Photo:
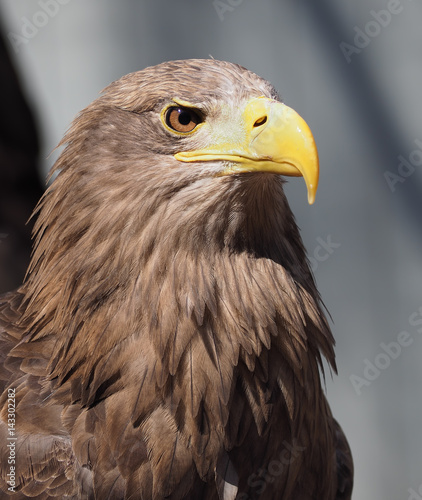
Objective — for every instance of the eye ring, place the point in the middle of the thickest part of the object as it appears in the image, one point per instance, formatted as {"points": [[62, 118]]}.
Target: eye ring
{"points": [[182, 119]]}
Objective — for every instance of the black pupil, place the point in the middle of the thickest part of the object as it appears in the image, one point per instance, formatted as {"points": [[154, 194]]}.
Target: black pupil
{"points": [[184, 117]]}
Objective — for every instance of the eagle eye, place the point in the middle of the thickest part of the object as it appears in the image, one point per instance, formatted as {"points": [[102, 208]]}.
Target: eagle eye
{"points": [[182, 119]]}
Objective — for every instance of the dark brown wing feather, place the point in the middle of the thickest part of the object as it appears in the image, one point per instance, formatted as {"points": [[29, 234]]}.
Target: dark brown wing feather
{"points": [[36, 453], [344, 465]]}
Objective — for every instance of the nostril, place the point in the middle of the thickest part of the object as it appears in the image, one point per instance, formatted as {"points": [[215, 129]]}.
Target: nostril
{"points": [[260, 121]]}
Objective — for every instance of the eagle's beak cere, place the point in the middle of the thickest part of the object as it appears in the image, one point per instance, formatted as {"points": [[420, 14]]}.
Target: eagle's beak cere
{"points": [[273, 138]]}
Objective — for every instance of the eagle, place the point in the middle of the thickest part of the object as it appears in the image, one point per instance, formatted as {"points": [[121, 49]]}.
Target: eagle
{"points": [[168, 339]]}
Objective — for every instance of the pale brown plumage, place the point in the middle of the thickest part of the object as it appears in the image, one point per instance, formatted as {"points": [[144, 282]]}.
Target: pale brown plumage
{"points": [[167, 340]]}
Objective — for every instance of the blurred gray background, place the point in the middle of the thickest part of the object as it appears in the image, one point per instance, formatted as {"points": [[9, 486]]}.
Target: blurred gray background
{"points": [[353, 70]]}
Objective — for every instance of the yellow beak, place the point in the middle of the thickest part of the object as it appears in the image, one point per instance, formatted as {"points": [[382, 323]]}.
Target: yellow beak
{"points": [[272, 138]]}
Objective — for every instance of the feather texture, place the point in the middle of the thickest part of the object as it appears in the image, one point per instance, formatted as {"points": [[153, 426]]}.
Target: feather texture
{"points": [[168, 338]]}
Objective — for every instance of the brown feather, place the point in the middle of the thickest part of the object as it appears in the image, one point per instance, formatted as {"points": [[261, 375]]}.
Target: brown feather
{"points": [[168, 338]]}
